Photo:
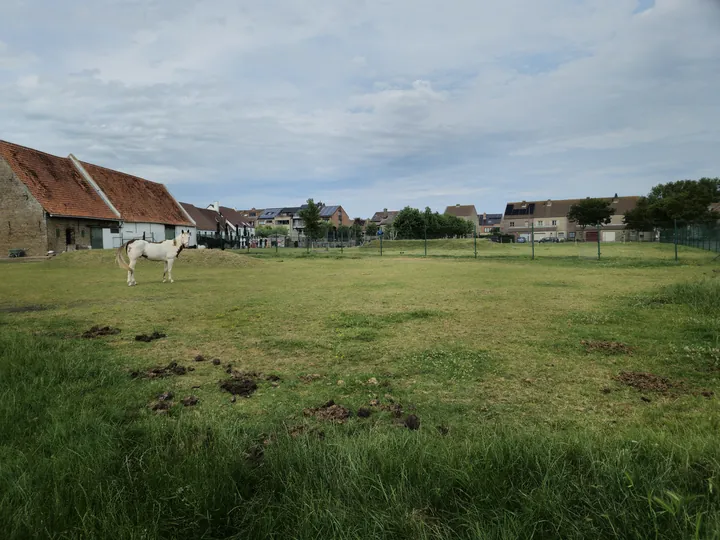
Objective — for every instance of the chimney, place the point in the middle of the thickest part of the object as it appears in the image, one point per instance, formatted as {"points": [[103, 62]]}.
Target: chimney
{"points": [[385, 210], [457, 204], [548, 203]]}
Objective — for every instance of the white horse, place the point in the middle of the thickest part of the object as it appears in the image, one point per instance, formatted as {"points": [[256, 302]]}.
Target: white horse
{"points": [[166, 251]]}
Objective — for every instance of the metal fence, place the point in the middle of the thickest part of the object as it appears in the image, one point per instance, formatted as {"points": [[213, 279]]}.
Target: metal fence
{"points": [[705, 237]]}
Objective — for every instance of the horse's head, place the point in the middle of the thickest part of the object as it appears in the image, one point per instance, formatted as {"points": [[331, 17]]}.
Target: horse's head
{"points": [[185, 238]]}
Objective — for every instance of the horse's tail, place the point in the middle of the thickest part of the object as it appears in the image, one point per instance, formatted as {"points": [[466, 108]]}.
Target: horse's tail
{"points": [[118, 256]]}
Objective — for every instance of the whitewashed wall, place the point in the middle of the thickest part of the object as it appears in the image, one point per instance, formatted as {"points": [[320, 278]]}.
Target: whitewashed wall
{"points": [[153, 233]]}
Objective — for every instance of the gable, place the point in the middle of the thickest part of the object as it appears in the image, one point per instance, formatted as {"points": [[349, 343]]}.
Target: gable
{"points": [[55, 183]]}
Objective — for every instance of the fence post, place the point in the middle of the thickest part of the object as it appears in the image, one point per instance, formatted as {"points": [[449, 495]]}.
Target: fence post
{"points": [[342, 247], [475, 238], [381, 237], [425, 220], [675, 236], [532, 238], [276, 244], [598, 240]]}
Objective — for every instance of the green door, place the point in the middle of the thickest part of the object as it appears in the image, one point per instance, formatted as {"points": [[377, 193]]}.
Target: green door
{"points": [[169, 232], [96, 238]]}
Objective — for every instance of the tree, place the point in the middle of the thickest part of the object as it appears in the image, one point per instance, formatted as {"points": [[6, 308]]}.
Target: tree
{"points": [[409, 224], [267, 231], [593, 212], [640, 218], [314, 226], [371, 229]]}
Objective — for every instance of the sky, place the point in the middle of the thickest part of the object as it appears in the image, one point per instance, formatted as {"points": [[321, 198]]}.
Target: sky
{"points": [[370, 104]]}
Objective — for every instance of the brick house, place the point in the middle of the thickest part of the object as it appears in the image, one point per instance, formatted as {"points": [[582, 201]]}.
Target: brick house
{"points": [[464, 211], [50, 203], [488, 222], [46, 204]]}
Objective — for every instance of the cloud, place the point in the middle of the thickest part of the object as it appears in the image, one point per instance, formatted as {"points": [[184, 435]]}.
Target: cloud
{"points": [[370, 104]]}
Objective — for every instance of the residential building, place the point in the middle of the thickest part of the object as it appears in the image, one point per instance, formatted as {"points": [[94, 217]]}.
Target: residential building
{"points": [[207, 221], [466, 212], [488, 222], [59, 204], [549, 219], [384, 218], [335, 215], [267, 218]]}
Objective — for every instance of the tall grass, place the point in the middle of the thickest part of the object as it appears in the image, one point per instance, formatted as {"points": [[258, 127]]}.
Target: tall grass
{"points": [[82, 457], [702, 296]]}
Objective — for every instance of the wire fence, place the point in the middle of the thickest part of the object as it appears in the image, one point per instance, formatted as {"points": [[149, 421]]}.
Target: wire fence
{"points": [[686, 243]]}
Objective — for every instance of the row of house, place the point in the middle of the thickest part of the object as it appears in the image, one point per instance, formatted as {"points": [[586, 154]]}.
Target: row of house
{"points": [[546, 219], [51, 203]]}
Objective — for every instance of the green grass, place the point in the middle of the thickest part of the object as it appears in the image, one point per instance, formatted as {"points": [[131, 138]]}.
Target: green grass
{"points": [[540, 440]]}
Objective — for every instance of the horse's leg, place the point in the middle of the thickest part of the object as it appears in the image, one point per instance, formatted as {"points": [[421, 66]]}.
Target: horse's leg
{"points": [[133, 262], [169, 267], [165, 271]]}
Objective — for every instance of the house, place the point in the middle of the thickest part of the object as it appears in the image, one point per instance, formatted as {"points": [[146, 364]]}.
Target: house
{"points": [[47, 205], [549, 219], [207, 222], [335, 215], [488, 222], [384, 218], [466, 212], [147, 209], [267, 218]]}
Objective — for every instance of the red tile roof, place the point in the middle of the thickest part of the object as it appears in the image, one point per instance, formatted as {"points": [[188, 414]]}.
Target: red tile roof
{"points": [[136, 199], [55, 183], [205, 219]]}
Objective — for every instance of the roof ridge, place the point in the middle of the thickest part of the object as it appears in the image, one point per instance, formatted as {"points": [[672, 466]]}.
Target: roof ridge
{"points": [[31, 149]]}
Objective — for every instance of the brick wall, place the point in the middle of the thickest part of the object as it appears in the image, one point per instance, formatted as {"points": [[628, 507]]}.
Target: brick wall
{"points": [[22, 218]]}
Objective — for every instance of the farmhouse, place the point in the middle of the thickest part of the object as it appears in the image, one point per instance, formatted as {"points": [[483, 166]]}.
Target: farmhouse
{"points": [[466, 212], [50, 203], [46, 204], [549, 219]]}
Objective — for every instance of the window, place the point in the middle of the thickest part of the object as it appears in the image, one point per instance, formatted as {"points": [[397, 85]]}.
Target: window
{"points": [[82, 233], [57, 233], [540, 223], [114, 230], [512, 223], [554, 222]]}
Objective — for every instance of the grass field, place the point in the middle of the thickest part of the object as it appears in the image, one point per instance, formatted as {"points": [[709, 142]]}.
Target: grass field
{"points": [[556, 398]]}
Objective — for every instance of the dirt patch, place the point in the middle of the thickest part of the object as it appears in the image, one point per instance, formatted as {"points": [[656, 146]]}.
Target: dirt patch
{"points": [[148, 338], [607, 347], [159, 372], [310, 378], [98, 331], [216, 362], [647, 382], [22, 309], [239, 387], [199, 358], [190, 401], [330, 412], [363, 412]]}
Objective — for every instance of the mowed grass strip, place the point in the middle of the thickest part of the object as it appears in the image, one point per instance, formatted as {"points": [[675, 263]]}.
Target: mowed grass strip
{"points": [[526, 426]]}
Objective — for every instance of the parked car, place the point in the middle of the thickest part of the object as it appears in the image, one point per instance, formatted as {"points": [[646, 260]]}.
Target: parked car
{"points": [[521, 240], [547, 239]]}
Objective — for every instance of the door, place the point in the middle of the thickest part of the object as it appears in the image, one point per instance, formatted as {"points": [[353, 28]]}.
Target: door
{"points": [[591, 236], [169, 232], [96, 238]]}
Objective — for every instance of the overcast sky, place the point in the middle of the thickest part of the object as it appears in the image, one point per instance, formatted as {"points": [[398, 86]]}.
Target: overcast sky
{"points": [[370, 103]]}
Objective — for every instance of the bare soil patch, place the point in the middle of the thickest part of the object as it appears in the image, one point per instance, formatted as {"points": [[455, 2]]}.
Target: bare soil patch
{"points": [[98, 331], [23, 309], [310, 378], [330, 412], [647, 382], [239, 387], [607, 347]]}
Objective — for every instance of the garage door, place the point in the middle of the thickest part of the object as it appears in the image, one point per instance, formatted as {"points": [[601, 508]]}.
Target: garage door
{"points": [[591, 236], [608, 236]]}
